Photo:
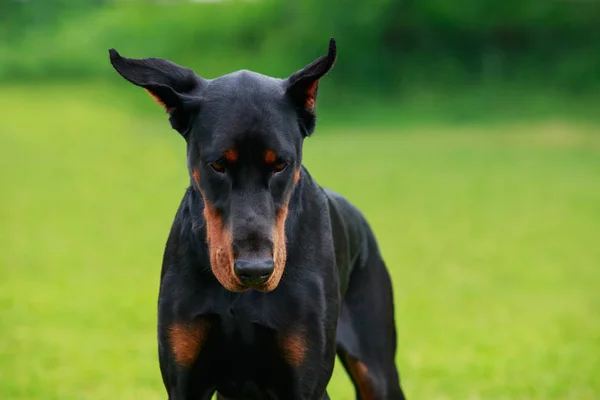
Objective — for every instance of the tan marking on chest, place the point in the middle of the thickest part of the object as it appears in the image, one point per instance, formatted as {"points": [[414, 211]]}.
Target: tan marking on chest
{"points": [[186, 341], [294, 347]]}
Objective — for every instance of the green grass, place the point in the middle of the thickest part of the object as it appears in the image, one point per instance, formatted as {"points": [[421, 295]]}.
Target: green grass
{"points": [[491, 234]]}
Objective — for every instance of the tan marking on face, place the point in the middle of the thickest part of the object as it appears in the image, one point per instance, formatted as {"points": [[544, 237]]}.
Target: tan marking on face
{"points": [[231, 155], [279, 249], [360, 375], [196, 174], [159, 101], [219, 241], [270, 156], [186, 340], [294, 347], [296, 176]]}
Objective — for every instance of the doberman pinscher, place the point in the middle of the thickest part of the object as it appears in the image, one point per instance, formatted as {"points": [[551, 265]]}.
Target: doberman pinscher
{"points": [[266, 275]]}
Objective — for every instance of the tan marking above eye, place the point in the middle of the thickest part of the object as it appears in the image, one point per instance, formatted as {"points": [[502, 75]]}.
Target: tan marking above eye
{"points": [[270, 156], [231, 155]]}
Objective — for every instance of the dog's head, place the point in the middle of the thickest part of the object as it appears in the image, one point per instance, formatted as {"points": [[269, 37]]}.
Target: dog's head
{"points": [[244, 134]]}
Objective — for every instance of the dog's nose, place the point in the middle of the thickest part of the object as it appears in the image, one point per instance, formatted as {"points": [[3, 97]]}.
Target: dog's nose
{"points": [[254, 272]]}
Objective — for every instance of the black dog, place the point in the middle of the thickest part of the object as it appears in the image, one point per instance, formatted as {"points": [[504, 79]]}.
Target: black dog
{"points": [[266, 275]]}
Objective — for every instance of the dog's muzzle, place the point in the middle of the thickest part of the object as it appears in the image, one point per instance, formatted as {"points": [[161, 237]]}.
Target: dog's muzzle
{"points": [[255, 272]]}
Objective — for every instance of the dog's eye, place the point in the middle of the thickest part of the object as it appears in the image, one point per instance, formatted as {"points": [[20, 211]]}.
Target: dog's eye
{"points": [[279, 167], [218, 167]]}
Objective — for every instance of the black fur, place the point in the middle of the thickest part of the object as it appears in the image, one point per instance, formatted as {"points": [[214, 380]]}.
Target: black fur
{"points": [[335, 295]]}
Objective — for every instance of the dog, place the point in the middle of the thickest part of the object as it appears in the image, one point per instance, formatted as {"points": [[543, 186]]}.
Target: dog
{"points": [[266, 275]]}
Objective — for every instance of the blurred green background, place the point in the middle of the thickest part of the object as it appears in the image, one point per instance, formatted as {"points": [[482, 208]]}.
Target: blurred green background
{"points": [[468, 133]]}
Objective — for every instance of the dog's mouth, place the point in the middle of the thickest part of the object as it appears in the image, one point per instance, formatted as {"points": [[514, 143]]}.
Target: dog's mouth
{"points": [[263, 288], [245, 287]]}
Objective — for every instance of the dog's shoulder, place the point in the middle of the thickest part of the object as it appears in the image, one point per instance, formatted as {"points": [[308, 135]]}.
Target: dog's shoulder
{"points": [[186, 231], [339, 205], [350, 232]]}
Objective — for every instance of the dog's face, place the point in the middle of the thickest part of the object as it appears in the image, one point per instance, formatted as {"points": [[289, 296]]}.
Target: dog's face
{"points": [[244, 134]]}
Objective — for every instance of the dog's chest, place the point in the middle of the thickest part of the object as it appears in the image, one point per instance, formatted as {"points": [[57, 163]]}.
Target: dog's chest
{"points": [[243, 340], [245, 360]]}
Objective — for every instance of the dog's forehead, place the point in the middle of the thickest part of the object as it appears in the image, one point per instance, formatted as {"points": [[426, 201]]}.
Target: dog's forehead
{"points": [[245, 105], [244, 83]]}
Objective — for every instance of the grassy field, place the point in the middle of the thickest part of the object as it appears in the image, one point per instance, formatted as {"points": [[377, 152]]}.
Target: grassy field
{"points": [[492, 234]]}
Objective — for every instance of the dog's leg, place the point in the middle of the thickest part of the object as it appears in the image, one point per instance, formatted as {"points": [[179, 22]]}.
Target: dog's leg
{"points": [[181, 390], [179, 345], [366, 334], [221, 397]]}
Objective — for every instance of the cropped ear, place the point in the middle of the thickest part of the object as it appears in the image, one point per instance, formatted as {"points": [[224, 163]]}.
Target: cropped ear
{"points": [[302, 87], [172, 86]]}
